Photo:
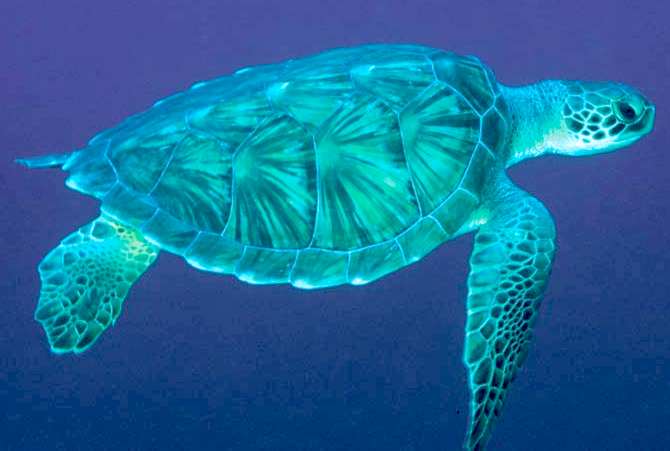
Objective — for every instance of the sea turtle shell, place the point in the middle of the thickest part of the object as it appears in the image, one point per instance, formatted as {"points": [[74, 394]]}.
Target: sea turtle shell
{"points": [[337, 168]]}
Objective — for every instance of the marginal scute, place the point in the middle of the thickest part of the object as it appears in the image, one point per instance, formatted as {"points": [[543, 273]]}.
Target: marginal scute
{"points": [[453, 213], [195, 186], [317, 268], [274, 186], [421, 238], [480, 164], [503, 111], [343, 57], [127, 206], [163, 115], [365, 188], [493, 129], [265, 266], [373, 262], [215, 253], [467, 75], [90, 170], [439, 132], [170, 233], [395, 79]]}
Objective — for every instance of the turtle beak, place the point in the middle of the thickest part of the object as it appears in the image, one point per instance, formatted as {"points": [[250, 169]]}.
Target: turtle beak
{"points": [[652, 109], [646, 122]]}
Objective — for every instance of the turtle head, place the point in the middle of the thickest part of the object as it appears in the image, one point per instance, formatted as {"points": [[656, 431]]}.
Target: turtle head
{"points": [[601, 117], [575, 118]]}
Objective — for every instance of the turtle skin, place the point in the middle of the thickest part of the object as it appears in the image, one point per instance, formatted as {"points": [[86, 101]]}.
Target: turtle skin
{"points": [[332, 169]]}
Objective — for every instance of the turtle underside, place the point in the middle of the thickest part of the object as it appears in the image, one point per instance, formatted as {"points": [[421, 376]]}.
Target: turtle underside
{"points": [[338, 168]]}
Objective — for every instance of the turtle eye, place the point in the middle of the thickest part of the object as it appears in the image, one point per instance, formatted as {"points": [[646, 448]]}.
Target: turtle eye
{"points": [[625, 112]]}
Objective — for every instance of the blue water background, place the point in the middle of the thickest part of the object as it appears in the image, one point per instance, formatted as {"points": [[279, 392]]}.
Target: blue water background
{"points": [[204, 362]]}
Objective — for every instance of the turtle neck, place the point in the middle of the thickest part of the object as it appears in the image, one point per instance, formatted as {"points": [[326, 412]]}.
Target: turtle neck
{"points": [[536, 119]]}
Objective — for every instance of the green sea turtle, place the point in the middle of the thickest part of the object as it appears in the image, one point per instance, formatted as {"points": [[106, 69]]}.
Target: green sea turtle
{"points": [[334, 169]]}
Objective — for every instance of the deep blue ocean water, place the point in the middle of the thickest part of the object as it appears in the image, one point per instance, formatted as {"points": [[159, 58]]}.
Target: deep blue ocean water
{"points": [[204, 362]]}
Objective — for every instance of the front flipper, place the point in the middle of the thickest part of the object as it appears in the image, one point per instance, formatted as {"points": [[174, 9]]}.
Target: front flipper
{"points": [[85, 280], [509, 268]]}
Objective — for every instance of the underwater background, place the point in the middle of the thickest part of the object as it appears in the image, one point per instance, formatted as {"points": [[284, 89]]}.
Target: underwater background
{"points": [[200, 361]]}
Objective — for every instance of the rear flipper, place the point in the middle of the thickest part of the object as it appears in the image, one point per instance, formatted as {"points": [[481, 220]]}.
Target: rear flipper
{"points": [[45, 161], [85, 280]]}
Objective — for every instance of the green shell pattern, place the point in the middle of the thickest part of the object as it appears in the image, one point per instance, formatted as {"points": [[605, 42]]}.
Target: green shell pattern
{"points": [[337, 168]]}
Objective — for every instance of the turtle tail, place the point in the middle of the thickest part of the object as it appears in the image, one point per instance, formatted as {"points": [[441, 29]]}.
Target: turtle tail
{"points": [[45, 161]]}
